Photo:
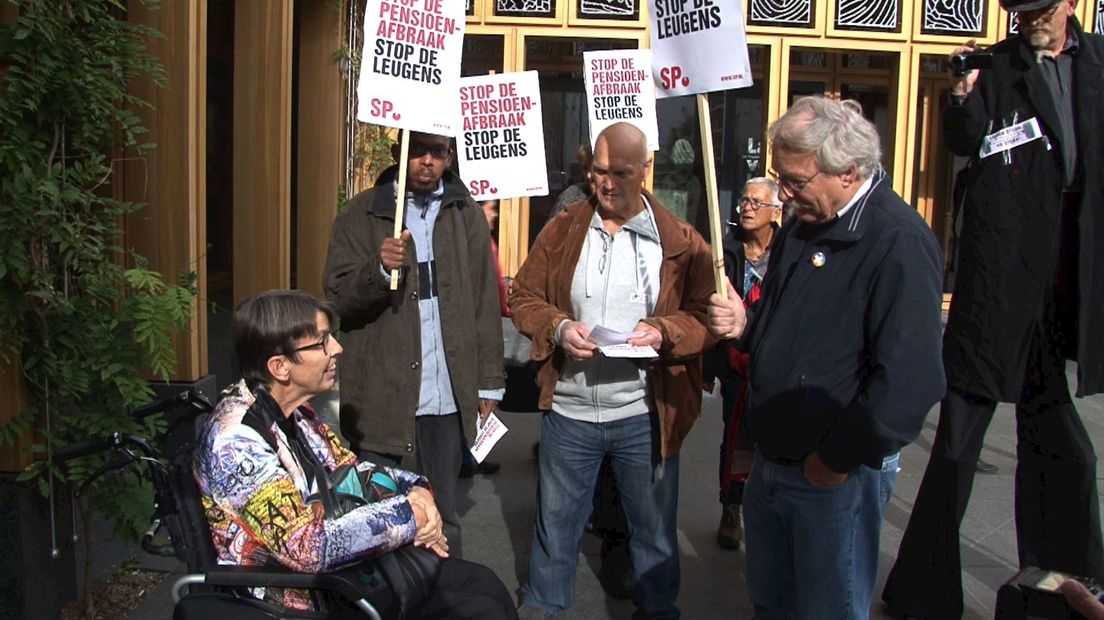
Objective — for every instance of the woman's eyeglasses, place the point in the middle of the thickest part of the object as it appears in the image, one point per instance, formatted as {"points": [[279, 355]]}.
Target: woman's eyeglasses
{"points": [[323, 344]]}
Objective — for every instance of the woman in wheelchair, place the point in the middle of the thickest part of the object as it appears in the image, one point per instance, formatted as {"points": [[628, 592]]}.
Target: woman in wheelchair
{"points": [[278, 488]]}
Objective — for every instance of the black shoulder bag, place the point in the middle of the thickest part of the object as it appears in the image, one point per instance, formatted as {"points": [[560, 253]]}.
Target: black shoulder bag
{"points": [[410, 572]]}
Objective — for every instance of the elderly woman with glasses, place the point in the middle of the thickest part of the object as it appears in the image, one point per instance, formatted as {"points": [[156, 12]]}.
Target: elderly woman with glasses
{"points": [[746, 252], [264, 458]]}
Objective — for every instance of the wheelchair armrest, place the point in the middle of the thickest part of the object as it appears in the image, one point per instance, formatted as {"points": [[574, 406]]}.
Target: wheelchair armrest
{"points": [[348, 584]]}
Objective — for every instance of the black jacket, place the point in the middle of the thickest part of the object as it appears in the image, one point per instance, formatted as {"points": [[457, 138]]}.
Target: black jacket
{"points": [[845, 357], [1008, 250]]}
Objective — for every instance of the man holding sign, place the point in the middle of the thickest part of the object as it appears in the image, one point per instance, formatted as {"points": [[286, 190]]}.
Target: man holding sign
{"points": [[622, 262], [426, 358]]}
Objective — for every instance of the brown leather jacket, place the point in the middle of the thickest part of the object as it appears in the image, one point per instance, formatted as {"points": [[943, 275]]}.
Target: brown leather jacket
{"points": [[541, 298]]}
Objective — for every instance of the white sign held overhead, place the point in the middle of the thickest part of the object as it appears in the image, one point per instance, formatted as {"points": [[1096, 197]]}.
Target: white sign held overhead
{"points": [[620, 88], [698, 46], [500, 144], [410, 64]]}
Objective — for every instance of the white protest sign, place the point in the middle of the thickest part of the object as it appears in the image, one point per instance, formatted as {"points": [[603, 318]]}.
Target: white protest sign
{"points": [[410, 64], [698, 46], [619, 87], [501, 140]]}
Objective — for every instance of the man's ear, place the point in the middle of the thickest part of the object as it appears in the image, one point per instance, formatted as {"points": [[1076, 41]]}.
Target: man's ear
{"points": [[279, 367], [850, 176]]}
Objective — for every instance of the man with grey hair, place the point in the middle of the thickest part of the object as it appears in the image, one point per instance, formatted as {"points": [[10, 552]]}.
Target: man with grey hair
{"points": [[844, 365], [1028, 296], [621, 261]]}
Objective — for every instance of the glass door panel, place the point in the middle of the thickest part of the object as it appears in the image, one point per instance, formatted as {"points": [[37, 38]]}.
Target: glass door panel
{"points": [[739, 119], [867, 77], [874, 97], [559, 61], [935, 169], [483, 53]]}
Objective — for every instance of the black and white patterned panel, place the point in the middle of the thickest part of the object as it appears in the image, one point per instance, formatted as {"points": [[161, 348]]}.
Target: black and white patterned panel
{"points": [[1098, 26], [525, 8], [954, 17], [790, 13], [1013, 25], [469, 7], [609, 9], [877, 15]]}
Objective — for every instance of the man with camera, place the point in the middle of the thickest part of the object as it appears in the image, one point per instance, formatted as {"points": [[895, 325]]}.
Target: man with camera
{"points": [[1028, 296]]}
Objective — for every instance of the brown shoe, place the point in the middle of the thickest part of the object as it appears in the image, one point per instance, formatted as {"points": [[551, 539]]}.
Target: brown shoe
{"points": [[730, 533]]}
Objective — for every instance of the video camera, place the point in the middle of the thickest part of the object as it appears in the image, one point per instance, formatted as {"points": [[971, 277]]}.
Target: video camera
{"points": [[961, 64], [1032, 594]]}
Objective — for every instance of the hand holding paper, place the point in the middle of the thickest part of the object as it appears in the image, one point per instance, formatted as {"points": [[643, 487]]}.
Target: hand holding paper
{"points": [[576, 340], [646, 335], [487, 436], [626, 344]]}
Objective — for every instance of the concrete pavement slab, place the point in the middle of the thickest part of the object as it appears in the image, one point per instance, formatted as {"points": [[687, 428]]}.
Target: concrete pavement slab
{"points": [[497, 519]]}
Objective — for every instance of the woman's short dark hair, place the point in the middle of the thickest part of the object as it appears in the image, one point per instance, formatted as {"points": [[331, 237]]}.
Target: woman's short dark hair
{"points": [[270, 324]]}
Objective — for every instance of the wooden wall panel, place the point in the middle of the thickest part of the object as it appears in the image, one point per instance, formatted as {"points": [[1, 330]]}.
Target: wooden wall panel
{"points": [[11, 379], [320, 138], [16, 398], [171, 230], [262, 146]]}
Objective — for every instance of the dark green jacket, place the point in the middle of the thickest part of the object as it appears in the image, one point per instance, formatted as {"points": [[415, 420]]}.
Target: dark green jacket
{"points": [[380, 372]]}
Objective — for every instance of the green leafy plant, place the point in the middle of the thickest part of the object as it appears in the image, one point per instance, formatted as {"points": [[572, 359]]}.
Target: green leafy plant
{"points": [[88, 322], [370, 154]]}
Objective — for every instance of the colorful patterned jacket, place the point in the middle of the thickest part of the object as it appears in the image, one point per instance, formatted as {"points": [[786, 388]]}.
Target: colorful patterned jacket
{"points": [[255, 499]]}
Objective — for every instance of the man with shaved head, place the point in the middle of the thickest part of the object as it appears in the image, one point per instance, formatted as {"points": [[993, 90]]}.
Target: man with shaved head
{"points": [[619, 260]]}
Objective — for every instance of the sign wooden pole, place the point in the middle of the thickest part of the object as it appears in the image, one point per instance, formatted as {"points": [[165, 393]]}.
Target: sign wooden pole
{"points": [[711, 195], [400, 199]]}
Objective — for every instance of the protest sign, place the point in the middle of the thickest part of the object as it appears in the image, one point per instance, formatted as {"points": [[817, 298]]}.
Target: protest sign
{"points": [[619, 87], [698, 46], [500, 144], [687, 39], [410, 64]]}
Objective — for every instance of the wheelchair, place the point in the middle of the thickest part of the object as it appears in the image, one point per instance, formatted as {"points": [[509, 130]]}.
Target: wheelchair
{"points": [[208, 589]]}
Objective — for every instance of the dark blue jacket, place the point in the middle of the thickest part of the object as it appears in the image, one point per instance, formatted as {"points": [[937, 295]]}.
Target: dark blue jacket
{"points": [[845, 356]]}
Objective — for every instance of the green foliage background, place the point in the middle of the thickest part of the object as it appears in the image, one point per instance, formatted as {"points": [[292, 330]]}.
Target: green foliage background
{"points": [[87, 328]]}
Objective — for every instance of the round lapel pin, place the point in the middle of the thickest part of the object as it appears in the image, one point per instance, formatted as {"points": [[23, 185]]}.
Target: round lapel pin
{"points": [[818, 259]]}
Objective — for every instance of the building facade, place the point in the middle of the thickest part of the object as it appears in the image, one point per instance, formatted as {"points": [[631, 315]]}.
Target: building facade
{"points": [[258, 145]]}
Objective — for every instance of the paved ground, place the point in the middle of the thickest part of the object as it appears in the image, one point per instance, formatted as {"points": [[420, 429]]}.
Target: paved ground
{"points": [[499, 511]]}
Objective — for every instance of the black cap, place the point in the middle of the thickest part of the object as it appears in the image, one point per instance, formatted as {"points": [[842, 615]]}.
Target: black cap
{"points": [[1028, 5]]}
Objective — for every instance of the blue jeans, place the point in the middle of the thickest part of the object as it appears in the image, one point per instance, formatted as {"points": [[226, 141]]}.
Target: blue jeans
{"points": [[812, 552], [570, 455]]}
